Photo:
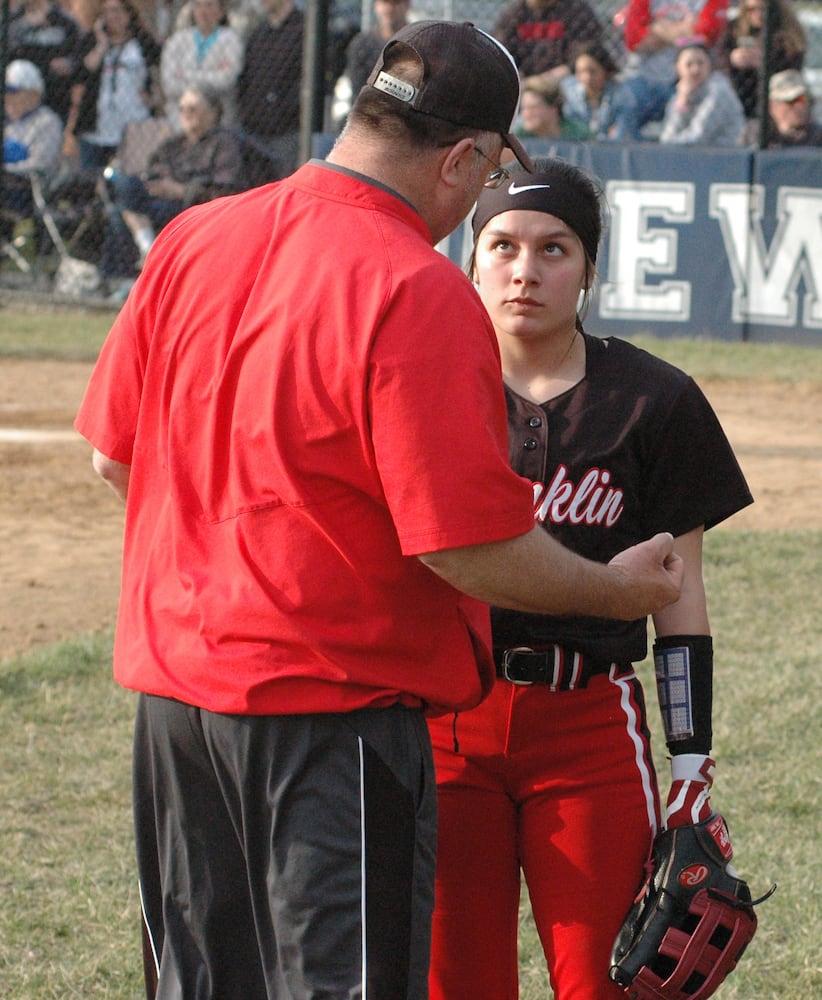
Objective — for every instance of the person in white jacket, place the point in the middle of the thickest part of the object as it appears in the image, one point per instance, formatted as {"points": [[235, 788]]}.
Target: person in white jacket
{"points": [[704, 109], [210, 52]]}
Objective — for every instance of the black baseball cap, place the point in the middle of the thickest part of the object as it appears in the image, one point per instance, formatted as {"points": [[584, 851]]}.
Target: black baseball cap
{"points": [[469, 78]]}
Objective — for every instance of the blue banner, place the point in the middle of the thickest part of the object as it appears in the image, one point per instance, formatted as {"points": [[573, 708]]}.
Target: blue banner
{"points": [[713, 243], [700, 242]]}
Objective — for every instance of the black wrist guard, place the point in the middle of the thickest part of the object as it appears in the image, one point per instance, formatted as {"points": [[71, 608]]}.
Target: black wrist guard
{"points": [[684, 668]]}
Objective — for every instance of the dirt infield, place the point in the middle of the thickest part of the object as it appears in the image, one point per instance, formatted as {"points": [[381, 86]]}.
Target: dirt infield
{"points": [[60, 528]]}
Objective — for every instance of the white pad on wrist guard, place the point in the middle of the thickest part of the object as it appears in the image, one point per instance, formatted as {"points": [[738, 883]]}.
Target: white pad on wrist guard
{"points": [[672, 668]]}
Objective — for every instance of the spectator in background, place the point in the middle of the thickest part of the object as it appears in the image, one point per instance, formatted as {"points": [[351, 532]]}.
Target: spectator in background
{"points": [[365, 46], [740, 48], [202, 163], [209, 53], [32, 136], [344, 21], [361, 54], [117, 81], [704, 109], [652, 29], [268, 89], [789, 107], [541, 111], [45, 34], [542, 35], [592, 92]]}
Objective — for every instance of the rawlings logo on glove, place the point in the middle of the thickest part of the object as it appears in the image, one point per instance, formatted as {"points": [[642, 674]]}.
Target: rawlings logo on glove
{"points": [[691, 921]]}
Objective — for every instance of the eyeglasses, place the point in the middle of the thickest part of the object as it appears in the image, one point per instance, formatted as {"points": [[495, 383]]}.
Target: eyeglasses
{"points": [[498, 176]]}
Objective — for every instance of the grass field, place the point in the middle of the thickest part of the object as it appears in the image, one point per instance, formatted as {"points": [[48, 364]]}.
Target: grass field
{"points": [[69, 920], [74, 335]]}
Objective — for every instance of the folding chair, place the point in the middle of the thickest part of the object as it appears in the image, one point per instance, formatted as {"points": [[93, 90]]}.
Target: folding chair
{"points": [[12, 242], [11, 245], [61, 216], [74, 278]]}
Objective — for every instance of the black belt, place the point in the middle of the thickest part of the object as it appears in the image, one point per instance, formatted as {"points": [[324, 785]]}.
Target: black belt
{"points": [[561, 668]]}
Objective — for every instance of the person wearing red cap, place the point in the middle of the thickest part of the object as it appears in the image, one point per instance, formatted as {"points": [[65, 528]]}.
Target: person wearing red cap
{"points": [[309, 546]]}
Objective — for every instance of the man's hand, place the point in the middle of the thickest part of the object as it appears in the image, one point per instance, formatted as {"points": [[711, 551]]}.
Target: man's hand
{"points": [[651, 577]]}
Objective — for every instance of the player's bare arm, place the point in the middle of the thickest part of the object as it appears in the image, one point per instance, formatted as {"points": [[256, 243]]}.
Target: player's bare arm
{"points": [[114, 474], [688, 615], [534, 573]]}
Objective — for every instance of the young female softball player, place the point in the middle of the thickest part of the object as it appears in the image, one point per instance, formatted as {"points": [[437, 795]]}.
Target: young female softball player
{"points": [[552, 775]]}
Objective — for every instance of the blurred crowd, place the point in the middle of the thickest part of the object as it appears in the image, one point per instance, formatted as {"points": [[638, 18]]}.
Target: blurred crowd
{"points": [[214, 90]]}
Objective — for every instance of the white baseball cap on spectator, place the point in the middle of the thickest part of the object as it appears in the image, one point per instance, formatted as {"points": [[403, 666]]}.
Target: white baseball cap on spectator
{"points": [[787, 86], [23, 75]]}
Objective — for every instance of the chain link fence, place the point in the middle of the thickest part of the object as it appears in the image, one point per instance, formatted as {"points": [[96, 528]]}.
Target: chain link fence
{"points": [[158, 106]]}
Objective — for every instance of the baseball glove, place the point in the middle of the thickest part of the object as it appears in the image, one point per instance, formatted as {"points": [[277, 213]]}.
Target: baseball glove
{"points": [[692, 918]]}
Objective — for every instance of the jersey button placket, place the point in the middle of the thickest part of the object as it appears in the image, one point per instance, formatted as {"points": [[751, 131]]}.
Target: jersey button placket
{"points": [[531, 443]]}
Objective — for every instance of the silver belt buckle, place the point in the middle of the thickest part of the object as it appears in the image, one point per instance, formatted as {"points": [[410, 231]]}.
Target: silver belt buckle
{"points": [[506, 664]]}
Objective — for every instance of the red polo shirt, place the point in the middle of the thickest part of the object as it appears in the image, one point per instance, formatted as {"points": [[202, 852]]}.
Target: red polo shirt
{"points": [[308, 395]]}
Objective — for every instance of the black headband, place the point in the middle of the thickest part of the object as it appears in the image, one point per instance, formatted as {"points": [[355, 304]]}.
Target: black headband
{"points": [[542, 192]]}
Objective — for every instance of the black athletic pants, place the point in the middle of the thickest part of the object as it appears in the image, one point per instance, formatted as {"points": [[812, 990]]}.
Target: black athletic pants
{"points": [[284, 856]]}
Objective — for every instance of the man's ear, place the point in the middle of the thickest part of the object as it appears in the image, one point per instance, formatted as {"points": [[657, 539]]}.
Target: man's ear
{"points": [[457, 161]]}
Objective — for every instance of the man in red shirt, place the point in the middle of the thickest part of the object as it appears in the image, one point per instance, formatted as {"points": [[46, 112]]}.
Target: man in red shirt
{"points": [[301, 405]]}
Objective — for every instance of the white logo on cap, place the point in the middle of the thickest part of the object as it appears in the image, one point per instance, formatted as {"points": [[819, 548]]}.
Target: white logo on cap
{"points": [[516, 189], [395, 88]]}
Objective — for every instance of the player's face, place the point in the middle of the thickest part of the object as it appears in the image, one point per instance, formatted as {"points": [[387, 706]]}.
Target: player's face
{"points": [[530, 268]]}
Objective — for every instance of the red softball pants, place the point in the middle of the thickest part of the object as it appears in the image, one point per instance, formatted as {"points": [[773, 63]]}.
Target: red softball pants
{"points": [[558, 786]]}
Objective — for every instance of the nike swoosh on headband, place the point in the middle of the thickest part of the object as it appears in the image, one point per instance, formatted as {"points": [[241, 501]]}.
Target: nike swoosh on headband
{"points": [[514, 188]]}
